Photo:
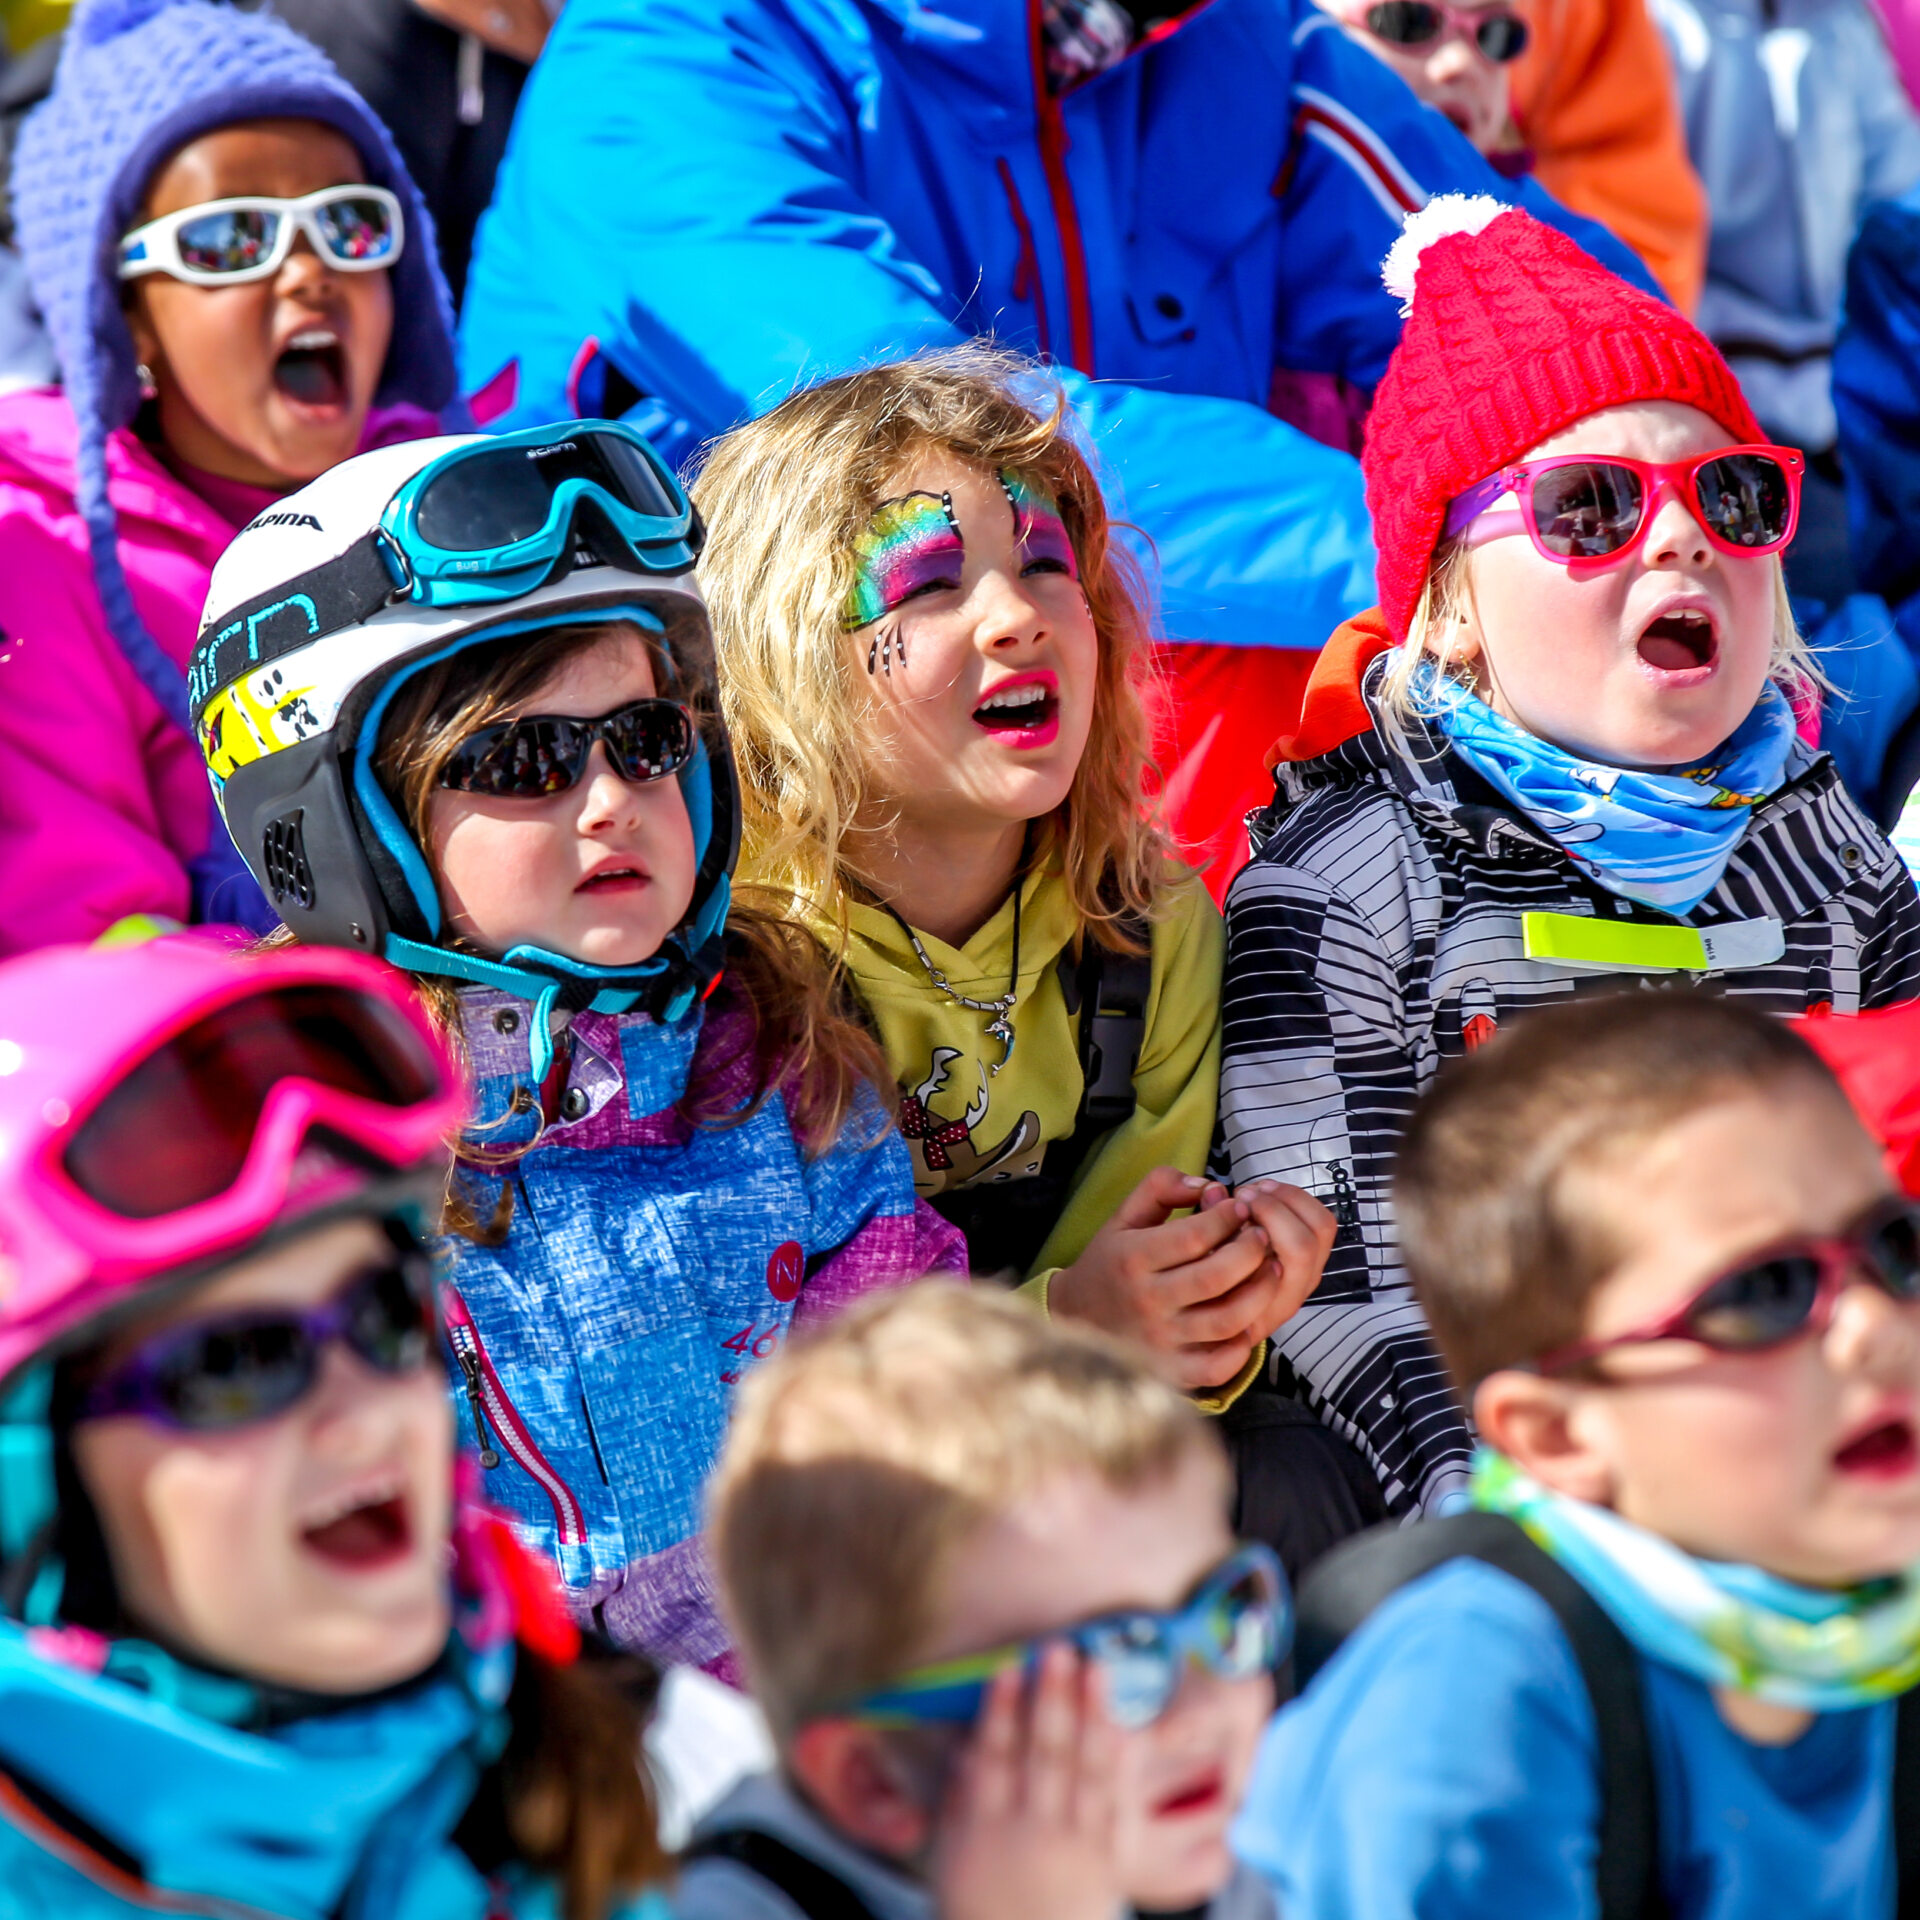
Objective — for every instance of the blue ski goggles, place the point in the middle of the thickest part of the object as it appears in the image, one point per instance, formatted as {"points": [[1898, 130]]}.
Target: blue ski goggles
{"points": [[1238, 1624], [484, 523]]}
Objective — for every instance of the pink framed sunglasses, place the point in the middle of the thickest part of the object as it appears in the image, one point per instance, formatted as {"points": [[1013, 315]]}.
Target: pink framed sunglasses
{"points": [[1500, 35], [1577, 507], [1780, 1294]]}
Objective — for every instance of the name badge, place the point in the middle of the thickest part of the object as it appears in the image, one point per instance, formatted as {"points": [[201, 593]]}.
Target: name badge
{"points": [[1588, 944]]}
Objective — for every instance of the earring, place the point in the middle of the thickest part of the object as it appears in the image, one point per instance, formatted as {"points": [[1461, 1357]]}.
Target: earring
{"points": [[148, 386]]}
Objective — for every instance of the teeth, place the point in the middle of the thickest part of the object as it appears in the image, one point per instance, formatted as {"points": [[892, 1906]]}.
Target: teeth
{"points": [[314, 337], [1013, 697], [337, 1509]]}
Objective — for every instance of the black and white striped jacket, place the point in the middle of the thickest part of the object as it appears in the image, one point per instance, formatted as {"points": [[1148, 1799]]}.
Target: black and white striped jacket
{"points": [[1377, 932]]}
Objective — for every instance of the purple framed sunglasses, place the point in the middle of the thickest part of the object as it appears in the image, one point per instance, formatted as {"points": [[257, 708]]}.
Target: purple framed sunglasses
{"points": [[237, 1369]]}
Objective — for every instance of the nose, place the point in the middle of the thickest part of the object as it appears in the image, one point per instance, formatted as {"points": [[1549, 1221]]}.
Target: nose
{"points": [[1453, 58], [305, 269], [1674, 537], [1010, 617], [1874, 1336], [347, 1416], [606, 800]]}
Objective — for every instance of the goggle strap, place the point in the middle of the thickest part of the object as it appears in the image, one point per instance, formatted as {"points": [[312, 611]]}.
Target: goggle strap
{"points": [[341, 592]]}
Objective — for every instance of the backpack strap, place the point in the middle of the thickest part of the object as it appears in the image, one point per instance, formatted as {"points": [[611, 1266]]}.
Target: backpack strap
{"points": [[817, 1892], [1906, 1805], [1346, 1586], [1108, 991]]}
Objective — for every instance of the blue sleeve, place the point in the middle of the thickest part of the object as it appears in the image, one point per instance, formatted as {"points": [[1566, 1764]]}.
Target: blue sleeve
{"points": [[1367, 153], [1444, 1766]]}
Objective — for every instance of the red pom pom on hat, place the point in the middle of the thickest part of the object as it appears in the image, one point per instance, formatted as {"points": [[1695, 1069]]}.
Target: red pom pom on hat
{"points": [[1513, 333]]}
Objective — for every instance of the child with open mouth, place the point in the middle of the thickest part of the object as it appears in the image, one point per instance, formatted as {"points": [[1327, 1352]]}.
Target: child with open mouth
{"points": [[1561, 758], [240, 284], [262, 1647]]}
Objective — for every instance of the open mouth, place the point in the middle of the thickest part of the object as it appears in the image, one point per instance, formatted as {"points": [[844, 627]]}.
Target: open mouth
{"points": [[1679, 642], [1199, 1795], [1030, 707], [367, 1534], [1887, 1450], [312, 369], [613, 880]]}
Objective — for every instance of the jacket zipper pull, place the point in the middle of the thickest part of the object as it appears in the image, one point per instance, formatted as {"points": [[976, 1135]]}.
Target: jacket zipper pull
{"points": [[470, 1366]]}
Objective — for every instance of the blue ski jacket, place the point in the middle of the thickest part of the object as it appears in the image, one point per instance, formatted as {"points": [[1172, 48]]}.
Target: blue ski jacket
{"points": [[647, 1263], [706, 203]]}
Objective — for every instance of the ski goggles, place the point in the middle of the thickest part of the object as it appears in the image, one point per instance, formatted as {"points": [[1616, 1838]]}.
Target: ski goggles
{"points": [[220, 243], [1575, 507], [547, 753], [1500, 36], [1781, 1293], [290, 1095], [238, 1369], [1238, 1624]]}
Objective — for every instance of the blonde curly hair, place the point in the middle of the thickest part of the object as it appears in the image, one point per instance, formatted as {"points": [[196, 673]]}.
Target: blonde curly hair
{"points": [[785, 498]]}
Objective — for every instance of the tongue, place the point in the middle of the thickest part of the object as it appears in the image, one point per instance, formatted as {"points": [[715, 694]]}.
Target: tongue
{"points": [[310, 375], [1884, 1446], [1663, 647], [367, 1533]]}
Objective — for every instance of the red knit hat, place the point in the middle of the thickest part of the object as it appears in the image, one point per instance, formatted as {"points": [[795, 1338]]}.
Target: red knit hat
{"points": [[1515, 334]]}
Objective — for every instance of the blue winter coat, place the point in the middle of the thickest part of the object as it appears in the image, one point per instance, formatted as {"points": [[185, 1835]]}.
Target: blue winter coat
{"points": [[647, 1264], [707, 202]]}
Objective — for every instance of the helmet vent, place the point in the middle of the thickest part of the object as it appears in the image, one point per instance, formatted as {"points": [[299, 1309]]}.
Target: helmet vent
{"points": [[283, 853]]}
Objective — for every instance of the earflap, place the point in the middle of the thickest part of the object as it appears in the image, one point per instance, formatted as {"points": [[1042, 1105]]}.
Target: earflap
{"points": [[31, 1575]]}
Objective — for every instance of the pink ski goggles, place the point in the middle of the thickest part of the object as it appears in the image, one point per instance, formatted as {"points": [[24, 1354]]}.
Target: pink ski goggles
{"points": [[1578, 507], [290, 1095]]}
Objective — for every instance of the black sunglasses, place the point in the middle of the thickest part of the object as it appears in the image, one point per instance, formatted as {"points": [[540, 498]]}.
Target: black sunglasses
{"points": [[246, 1367], [546, 753], [1413, 23]]}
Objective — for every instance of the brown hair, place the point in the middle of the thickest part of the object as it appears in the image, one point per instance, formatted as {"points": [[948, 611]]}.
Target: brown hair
{"points": [[1503, 1227], [786, 497], [571, 1796], [804, 1044], [862, 1456]]}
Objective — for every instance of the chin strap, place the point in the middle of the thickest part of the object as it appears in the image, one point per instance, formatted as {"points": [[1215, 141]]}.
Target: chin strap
{"points": [[31, 1574]]}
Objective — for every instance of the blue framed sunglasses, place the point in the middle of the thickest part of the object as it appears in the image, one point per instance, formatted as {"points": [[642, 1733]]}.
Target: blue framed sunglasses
{"points": [[1239, 1623], [484, 523]]}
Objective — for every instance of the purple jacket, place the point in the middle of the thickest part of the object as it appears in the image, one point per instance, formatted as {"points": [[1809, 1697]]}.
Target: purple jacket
{"points": [[102, 799]]}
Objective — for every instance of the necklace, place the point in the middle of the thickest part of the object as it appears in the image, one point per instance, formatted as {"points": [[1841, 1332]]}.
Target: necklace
{"points": [[1000, 1027]]}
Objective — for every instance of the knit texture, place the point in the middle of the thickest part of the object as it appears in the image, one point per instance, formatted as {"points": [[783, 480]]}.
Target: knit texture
{"points": [[1515, 333], [138, 79]]}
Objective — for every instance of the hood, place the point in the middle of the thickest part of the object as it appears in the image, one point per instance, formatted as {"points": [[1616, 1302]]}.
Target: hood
{"points": [[1334, 709]]}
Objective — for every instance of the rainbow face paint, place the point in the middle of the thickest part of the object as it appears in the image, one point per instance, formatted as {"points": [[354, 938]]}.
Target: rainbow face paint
{"points": [[1037, 526], [909, 544]]}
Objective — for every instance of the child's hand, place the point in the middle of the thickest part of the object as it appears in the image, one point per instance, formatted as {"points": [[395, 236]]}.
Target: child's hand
{"points": [[1030, 1828], [1202, 1292]]}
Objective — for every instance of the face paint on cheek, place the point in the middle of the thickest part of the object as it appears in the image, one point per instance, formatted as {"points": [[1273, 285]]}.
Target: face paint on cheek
{"points": [[910, 544], [1037, 526]]}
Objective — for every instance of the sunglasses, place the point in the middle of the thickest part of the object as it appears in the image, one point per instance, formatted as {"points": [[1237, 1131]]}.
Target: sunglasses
{"points": [[1500, 36], [212, 1375], [1574, 507], [547, 753], [221, 243], [1238, 1624], [1781, 1293]]}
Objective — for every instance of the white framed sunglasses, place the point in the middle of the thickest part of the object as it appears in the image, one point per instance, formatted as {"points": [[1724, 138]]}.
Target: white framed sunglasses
{"points": [[356, 229]]}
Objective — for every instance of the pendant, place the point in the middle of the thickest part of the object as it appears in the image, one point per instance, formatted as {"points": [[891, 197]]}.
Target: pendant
{"points": [[1000, 1028]]}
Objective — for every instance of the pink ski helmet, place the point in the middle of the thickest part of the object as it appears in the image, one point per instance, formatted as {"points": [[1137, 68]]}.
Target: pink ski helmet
{"points": [[164, 1106]]}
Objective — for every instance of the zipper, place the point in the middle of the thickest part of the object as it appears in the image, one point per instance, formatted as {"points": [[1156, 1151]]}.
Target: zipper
{"points": [[1026, 273], [1066, 217], [492, 1408]]}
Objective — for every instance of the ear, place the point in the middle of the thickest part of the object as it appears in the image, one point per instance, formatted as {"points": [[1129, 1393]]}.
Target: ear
{"points": [[146, 342], [1550, 1429], [854, 1778]]}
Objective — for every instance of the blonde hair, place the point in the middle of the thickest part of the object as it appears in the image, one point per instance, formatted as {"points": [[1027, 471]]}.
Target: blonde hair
{"points": [[1447, 601], [805, 1045], [860, 1458], [786, 498]]}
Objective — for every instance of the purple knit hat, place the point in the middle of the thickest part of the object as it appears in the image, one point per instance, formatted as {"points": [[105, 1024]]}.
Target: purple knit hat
{"points": [[138, 79]]}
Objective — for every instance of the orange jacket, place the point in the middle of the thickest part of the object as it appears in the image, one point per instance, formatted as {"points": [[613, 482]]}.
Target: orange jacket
{"points": [[1594, 98]]}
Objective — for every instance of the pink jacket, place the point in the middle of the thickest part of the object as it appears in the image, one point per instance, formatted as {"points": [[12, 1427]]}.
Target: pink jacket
{"points": [[102, 799]]}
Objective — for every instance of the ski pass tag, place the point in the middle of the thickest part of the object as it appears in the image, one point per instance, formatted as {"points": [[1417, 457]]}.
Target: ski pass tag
{"points": [[1588, 944]]}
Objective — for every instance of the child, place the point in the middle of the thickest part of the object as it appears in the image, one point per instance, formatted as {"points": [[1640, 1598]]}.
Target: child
{"points": [[240, 285], [932, 672], [1561, 758], [941, 1511], [258, 1647], [509, 777], [1669, 1268]]}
